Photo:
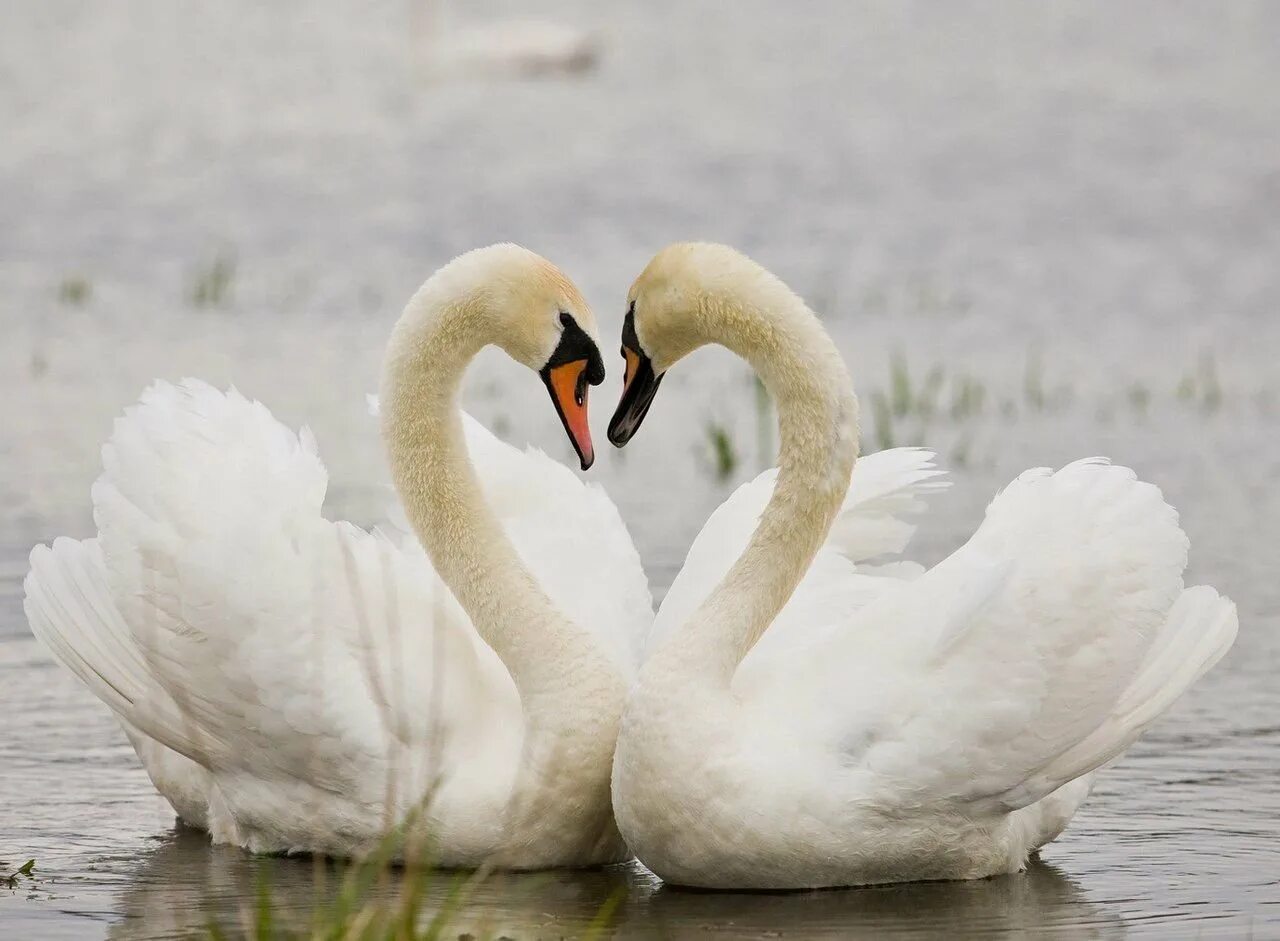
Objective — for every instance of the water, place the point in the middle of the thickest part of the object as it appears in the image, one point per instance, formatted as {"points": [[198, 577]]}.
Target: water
{"points": [[1067, 216]]}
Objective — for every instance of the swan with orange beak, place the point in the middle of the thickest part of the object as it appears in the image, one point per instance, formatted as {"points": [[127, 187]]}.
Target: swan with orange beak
{"points": [[294, 684]]}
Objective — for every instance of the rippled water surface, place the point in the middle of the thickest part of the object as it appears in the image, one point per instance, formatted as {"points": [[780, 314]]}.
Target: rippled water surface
{"points": [[1036, 233]]}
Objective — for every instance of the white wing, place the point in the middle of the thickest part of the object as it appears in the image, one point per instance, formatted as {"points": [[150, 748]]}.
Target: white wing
{"points": [[1034, 654], [885, 491], [219, 614]]}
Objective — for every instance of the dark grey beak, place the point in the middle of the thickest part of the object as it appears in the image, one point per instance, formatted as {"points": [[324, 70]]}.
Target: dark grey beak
{"points": [[637, 395]]}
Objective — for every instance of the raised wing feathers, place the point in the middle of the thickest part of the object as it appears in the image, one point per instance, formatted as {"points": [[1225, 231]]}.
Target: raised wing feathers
{"points": [[885, 492], [222, 616], [1006, 670]]}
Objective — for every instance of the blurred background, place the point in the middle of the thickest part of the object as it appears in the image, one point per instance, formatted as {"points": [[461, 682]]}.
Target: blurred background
{"points": [[1037, 232]]}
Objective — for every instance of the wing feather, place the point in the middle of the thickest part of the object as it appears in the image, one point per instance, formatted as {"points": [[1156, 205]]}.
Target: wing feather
{"points": [[886, 491], [1030, 656], [222, 617]]}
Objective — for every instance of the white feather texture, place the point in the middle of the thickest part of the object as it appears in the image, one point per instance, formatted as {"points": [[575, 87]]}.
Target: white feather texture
{"points": [[309, 670], [805, 719], [886, 490], [296, 684]]}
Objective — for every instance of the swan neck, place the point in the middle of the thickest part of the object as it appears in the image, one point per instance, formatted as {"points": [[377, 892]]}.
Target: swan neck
{"points": [[818, 432], [422, 426]]}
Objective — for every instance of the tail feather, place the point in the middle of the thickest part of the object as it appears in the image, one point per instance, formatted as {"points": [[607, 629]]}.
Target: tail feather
{"points": [[71, 612], [1090, 635], [1200, 629], [66, 615]]}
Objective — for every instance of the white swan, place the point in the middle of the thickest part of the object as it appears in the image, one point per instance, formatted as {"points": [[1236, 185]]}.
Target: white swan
{"points": [[800, 723], [293, 684], [520, 47]]}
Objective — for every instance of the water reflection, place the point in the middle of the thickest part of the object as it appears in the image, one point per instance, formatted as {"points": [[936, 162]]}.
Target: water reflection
{"points": [[184, 885], [1008, 905]]}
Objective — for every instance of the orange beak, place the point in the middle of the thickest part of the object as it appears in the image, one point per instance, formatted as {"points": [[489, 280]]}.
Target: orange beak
{"points": [[568, 385]]}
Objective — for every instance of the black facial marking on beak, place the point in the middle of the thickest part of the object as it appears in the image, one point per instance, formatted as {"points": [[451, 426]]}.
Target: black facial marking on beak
{"points": [[574, 364], [641, 386]]}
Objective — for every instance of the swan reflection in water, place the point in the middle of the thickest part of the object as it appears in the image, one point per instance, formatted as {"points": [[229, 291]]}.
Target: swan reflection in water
{"points": [[185, 884]]}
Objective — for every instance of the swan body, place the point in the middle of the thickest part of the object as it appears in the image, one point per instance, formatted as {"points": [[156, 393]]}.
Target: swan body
{"points": [[295, 684], [520, 47], [803, 720]]}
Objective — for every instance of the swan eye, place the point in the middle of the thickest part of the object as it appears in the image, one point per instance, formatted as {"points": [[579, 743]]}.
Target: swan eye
{"points": [[631, 311], [565, 319]]}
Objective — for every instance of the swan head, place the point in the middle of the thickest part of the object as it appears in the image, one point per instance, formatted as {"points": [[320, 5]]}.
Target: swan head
{"points": [[549, 327], [530, 309], [671, 309]]}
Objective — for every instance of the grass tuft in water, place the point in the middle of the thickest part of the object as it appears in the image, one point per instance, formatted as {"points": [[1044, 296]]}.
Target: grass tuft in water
{"points": [[1201, 388], [915, 406], [211, 285], [75, 290], [377, 900], [900, 396], [883, 414], [1139, 398], [904, 410], [968, 397], [380, 898], [724, 457], [1211, 399], [26, 869], [905, 398], [1033, 383], [926, 403]]}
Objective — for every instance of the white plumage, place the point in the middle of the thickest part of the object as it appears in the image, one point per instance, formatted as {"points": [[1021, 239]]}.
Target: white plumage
{"points": [[296, 684], [309, 670], [943, 724], [875, 521], [1032, 655], [805, 719]]}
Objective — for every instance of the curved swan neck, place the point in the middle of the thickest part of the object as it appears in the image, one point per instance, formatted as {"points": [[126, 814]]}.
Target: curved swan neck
{"points": [[762, 321], [432, 344]]}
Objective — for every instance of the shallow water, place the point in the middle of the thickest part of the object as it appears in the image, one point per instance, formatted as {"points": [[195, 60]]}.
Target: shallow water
{"points": [[1067, 219]]}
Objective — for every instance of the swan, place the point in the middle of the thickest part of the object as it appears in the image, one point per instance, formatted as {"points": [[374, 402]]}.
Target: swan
{"points": [[293, 684], [520, 47], [803, 722]]}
